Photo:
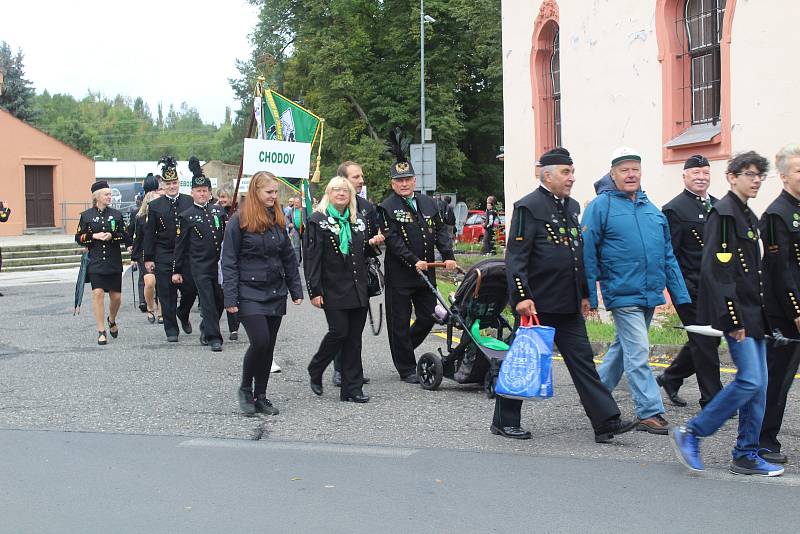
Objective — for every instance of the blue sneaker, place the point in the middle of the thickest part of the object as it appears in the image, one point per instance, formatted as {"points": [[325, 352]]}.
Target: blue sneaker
{"points": [[687, 447], [753, 464]]}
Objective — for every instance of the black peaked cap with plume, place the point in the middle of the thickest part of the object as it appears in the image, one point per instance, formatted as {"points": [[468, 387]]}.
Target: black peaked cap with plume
{"points": [[198, 178], [169, 168], [398, 145]]}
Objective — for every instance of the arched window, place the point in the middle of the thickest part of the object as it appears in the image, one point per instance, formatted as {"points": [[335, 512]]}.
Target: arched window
{"points": [[694, 39], [546, 78], [555, 81], [703, 24]]}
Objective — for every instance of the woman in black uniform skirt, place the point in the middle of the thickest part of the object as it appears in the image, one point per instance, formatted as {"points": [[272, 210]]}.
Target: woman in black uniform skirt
{"points": [[101, 230], [259, 269], [336, 243]]}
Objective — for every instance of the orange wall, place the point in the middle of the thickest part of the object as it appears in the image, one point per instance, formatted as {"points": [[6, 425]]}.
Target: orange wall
{"points": [[21, 145]]}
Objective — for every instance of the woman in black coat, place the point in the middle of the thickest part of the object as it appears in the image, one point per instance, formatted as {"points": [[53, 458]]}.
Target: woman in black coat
{"points": [[259, 269], [136, 229], [336, 244], [101, 230]]}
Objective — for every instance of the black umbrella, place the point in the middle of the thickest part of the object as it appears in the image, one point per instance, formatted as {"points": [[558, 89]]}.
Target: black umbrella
{"points": [[81, 282]]}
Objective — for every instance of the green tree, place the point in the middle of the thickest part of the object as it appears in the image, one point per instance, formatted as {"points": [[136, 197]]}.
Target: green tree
{"points": [[356, 63], [16, 92]]}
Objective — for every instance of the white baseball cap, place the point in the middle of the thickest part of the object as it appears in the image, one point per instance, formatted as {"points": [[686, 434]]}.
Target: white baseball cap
{"points": [[624, 153]]}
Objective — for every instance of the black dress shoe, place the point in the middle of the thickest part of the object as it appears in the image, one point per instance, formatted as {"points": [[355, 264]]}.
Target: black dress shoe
{"points": [[513, 432], [671, 391], [143, 307], [246, 402], [203, 341], [186, 325], [316, 387], [365, 380], [172, 339], [263, 405], [411, 379], [773, 457], [361, 399], [234, 336], [216, 346], [337, 379], [618, 426]]}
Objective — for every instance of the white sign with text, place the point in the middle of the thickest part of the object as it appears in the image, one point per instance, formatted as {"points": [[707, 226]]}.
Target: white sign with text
{"points": [[282, 158]]}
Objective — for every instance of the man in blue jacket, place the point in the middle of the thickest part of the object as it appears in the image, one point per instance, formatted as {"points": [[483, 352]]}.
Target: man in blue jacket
{"points": [[627, 248]]}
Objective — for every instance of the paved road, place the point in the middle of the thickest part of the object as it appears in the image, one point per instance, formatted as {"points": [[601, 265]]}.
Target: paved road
{"points": [[59, 482], [54, 377]]}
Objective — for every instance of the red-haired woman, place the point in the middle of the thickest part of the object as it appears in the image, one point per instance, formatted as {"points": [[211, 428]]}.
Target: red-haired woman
{"points": [[259, 269]]}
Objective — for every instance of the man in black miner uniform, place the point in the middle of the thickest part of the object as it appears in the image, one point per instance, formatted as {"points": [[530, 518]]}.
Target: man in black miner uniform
{"points": [[687, 214], [544, 266], [160, 231], [780, 234], [355, 175], [197, 249], [412, 226]]}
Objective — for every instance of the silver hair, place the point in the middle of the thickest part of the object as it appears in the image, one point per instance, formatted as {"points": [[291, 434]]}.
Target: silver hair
{"points": [[547, 168], [226, 190], [783, 156]]}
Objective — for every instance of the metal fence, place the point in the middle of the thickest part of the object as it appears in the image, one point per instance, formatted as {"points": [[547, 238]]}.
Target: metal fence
{"points": [[71, 212]]}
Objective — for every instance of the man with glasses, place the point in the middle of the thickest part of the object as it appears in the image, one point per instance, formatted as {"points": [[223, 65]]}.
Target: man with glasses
{"points": [[780, 235], [687, 214], [731, 300]]}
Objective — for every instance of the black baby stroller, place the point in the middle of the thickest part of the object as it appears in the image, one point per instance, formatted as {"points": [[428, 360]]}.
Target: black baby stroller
{"points": [[477, 304]]}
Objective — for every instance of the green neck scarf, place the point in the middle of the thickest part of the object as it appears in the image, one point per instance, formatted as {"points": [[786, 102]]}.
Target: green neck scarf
{"points": [[298, 219], [343, 220]]}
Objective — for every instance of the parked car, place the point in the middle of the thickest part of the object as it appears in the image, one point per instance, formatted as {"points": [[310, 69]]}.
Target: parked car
{"points": [[473, 227]]}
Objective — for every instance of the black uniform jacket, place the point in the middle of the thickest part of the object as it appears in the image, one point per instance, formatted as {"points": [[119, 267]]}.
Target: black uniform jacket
{"points": [[687, 214], [136, 237], [369, 213], [199, 240], [105, 257], [411, 236], [161, 228], [259, 267], [780, 233], [341, 280], [731, 287], [544, 254]]}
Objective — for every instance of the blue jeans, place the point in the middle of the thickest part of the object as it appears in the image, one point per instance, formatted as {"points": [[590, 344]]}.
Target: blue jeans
{"points": [[629, 353], [747, 393]]}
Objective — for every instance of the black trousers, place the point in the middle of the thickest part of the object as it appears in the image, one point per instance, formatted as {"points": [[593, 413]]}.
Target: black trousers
{"points": [[140, 283], [233, 321], [345, 328], [573, 344], [209, 293], [168, 297], [262, 330], [782, 364], [698, 356], [488, 241], [403, 339]]}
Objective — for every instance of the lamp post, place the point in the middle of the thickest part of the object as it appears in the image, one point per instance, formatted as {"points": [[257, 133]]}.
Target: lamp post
{"points": [[423, 18]]}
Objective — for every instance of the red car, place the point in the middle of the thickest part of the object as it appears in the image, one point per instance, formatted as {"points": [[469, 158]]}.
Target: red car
{"points": [[473, 228]]}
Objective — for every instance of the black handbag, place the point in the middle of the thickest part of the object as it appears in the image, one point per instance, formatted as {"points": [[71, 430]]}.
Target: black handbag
{"points": [[374, 277]]}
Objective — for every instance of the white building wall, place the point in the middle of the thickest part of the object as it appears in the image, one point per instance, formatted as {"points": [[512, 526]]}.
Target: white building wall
{"points": [[612, 93]]}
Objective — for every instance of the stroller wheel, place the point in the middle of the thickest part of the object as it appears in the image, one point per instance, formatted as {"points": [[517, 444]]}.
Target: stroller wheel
{"points": [[488, 384], [430, 370]]}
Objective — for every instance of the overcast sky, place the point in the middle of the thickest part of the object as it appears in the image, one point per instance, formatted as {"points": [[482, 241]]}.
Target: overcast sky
{"points": [[169, 50]]}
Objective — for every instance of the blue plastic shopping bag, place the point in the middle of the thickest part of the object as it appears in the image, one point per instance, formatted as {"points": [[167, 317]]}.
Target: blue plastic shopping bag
{"points": [[527, 370]]}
